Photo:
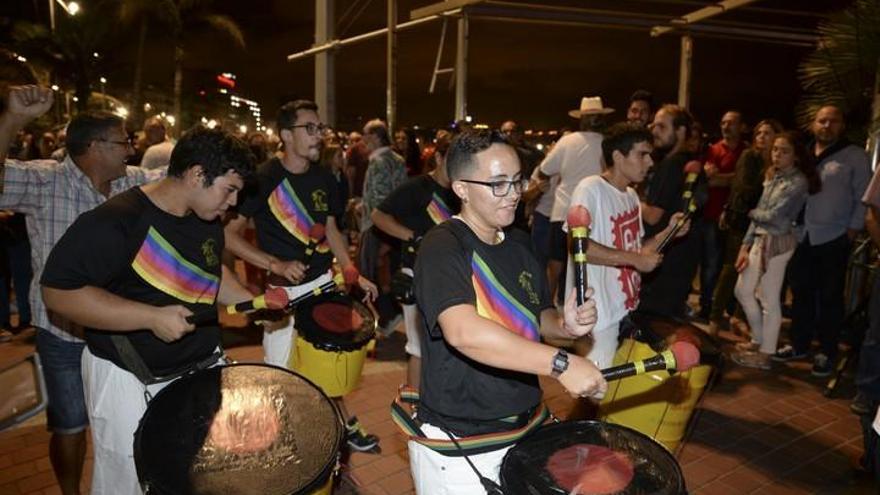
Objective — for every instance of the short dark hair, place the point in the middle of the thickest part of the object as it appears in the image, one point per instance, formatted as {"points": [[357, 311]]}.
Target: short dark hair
{"points": [[379, 129], [622, 137], [681, 117], [464, 147], [287, 114], [643, 95], [216, 150], [87, 127]]}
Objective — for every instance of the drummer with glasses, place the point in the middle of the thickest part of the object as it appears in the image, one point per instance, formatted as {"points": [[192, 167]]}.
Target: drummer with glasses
{"points": [[291, 196], [485, 303], [131, 271]]}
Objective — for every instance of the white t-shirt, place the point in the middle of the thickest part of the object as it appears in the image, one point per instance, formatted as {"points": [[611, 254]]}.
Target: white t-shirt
{"points": [[616, 223], [157, 155], [545, 202], [575, 156]]}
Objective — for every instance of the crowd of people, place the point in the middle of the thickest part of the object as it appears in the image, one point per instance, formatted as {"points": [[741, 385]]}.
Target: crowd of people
{"points": [[462, 234]]}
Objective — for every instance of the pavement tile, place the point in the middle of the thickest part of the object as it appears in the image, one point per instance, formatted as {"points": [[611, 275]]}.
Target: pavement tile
{"points": [[37, 482]]}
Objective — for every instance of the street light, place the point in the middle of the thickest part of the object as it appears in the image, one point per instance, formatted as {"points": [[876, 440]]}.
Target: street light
{"points": [[72, 8], [103, 92]]}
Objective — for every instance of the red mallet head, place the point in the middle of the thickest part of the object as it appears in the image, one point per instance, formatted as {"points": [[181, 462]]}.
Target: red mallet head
{"points": [[276, 298], [317, 231], [692, 167], [686, 355], [578, 216], [350, 274]]}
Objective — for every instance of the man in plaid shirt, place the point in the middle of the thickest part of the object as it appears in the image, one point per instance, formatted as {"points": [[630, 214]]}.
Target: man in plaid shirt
{"points": [[52, 195]]}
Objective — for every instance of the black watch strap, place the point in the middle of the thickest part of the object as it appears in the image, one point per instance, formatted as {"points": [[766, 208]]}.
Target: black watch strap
{"points": [[560, 363]]}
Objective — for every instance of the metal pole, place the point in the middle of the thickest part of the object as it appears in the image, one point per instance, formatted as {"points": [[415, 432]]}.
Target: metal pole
{"points": [[391, 68], [52, 15], [684, 75], [461, 62], [325, 62]]}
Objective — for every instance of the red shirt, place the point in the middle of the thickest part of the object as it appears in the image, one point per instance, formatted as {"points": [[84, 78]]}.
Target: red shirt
{"points": [[725, 159]]}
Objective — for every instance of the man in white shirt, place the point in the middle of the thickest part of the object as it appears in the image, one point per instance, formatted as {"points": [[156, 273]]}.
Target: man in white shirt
{"points": [[577, 155]]}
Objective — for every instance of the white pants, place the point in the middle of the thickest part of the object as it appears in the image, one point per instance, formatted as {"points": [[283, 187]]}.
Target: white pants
{"points": [[437, 474], [759, 296], [278, 341], [413, 325], [604, 345], [115, 402]]}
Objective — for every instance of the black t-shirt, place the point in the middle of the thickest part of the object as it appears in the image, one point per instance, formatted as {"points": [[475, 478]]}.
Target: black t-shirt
{"points": [[665, 188], [506, 284], [285, 206], [137, 251], [420, 203]]}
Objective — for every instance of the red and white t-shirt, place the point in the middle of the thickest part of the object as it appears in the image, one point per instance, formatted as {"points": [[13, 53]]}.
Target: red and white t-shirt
{"points": [[617, 223]]}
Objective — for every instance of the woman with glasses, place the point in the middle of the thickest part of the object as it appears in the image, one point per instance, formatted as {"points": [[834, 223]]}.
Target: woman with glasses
{"points": [[485, 302]]}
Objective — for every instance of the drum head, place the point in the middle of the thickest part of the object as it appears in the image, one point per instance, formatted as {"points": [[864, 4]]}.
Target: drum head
{"points": [[245, 429], [335, 322], [555, 459]]}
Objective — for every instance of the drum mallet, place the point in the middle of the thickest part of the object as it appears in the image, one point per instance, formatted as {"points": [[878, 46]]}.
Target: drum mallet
{"points": [[680, 356], [692, 207], [579, 221], [692, 169], [274, 298], [316, 235], [330, 284]]}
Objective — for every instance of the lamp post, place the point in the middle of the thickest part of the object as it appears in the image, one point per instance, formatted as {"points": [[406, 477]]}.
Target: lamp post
{"points": [[103, 92]]}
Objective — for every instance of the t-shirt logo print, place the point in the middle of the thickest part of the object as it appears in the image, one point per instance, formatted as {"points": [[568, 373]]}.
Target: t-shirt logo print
{"points": [[438, 210], [292, 215], [319, 200], [525, 281], [164, 268], [495, 303], [625, 228], [209, 251]]}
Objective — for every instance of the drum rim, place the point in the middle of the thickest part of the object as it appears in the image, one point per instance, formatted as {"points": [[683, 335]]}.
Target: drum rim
{"points": [[302, 316], [682, 485], [323, 475]]}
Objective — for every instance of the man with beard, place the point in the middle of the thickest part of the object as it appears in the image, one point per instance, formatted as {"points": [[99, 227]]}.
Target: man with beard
{"points": [[665, 290], [52, 195], [641, 108], [292, 195], [832, 219]]}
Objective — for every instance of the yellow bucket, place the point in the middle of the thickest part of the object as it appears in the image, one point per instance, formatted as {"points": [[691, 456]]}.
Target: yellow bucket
{"points": [[336, 372], [657, 404]]}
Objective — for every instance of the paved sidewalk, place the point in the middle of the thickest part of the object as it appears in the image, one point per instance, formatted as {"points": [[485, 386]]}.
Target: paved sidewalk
{"points": [[756, 432]]}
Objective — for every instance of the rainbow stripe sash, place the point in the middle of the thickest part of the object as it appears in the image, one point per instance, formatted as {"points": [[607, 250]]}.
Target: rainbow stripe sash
{"points": [[161, 266], [495, 303], [292, 215], [438, 210]]}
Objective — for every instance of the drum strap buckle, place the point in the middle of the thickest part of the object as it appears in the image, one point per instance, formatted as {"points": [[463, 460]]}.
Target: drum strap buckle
{"points": [[135, 363]]}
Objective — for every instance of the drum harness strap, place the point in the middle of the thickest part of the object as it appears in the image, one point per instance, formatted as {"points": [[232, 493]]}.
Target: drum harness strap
{"points": [[464, 446], [136, 365]]}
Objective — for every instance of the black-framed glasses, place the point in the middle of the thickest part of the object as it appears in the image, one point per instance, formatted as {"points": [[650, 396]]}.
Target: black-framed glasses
{"points": [[501, 188], [311, 128]]}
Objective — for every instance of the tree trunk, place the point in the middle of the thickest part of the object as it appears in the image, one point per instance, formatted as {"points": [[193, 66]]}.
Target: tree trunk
{"points": [[178, 89], [137, 108]]}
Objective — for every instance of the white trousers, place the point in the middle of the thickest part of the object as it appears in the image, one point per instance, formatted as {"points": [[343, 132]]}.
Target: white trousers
{"points": [[115, 402], [437, 474], [759, 296], [413, 325], [278, 342], [604, 345]]}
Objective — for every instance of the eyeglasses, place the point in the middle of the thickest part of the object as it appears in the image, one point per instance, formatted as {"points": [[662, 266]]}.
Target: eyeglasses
{"points": [[311, 128], [501, 188]]}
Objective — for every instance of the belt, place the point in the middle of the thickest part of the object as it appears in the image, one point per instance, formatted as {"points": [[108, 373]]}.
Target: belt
{"points": [[462, 446]]}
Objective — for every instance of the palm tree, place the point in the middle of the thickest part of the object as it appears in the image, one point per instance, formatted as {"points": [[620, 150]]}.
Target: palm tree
{"points": [[845, 69], [181, 18], [70, 50]]}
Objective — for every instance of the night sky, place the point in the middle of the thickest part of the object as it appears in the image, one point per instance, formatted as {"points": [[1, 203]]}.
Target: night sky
{"points": [[532, 73]]}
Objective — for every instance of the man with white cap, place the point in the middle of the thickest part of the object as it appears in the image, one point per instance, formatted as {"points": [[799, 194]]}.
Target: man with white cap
{"points": [[575, 156]]}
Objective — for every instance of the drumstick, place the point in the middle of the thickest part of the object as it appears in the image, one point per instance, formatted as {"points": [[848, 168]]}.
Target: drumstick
{"points": [[681, 356], [692, 207], [316, 235], [274, 298], [579, 225], [337, 282]]}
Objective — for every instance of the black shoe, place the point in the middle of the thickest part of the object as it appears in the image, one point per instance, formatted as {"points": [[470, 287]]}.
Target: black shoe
{"points": [[357, 438], [787, 353], [822, 366], [860, 405]]}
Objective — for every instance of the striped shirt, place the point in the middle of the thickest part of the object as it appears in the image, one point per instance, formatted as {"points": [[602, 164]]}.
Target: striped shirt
{"points": [[52, 195]]}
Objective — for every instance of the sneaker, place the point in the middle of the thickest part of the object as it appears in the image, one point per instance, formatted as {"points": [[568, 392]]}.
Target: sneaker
{"points": [[787, 353], [751, 359], [391, 326], [821, 366], [357, 438], [860, 405]]}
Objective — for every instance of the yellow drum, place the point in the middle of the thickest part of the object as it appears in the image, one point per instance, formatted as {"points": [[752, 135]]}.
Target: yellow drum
{"points": [[331, 344], [659, 404], [244, 429]]}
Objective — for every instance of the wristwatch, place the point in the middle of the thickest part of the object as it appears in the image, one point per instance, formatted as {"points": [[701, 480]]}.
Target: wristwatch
{"points": [[560, 363]]}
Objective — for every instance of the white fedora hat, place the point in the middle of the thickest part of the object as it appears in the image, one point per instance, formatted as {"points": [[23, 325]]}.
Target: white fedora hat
{"points": [[590, 105]]}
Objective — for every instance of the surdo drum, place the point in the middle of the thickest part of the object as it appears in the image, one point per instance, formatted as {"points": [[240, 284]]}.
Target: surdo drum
{"points": [[331, 344], [589, 458], [242, 428]]}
